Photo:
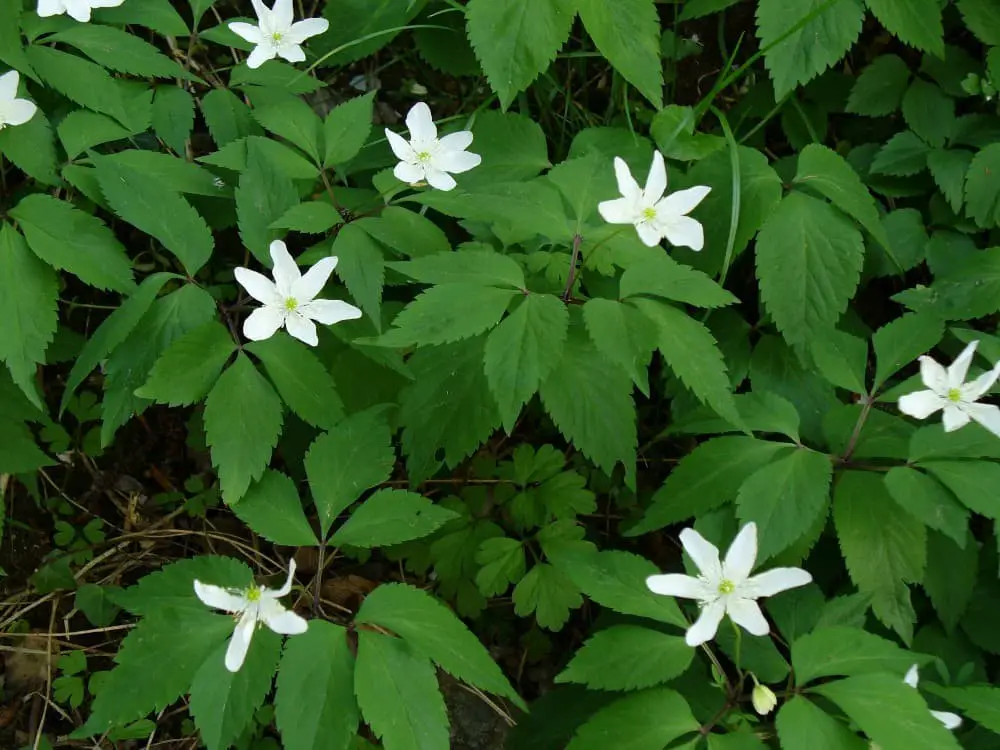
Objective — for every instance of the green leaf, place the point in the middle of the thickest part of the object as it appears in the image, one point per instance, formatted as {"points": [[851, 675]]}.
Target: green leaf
{"points": [[806, 53], [924, 498], [904, 155], [884, 549], [950, 578], [242, 423], [272, 74], [760, 412], [28, 294], [513, 148], [809, 260], [602, 426], [71, 240], [157, 211], [408, 233], [311, 217], [227, 117], [447, 313], [302, 381], [223, 703], [346, 129], [971, 481], [801, 724], [928, 111], [79, 80], [448, 410], [977, 702], [705, 478], [341, 464], [673, 130], [31, 147], [502, 561], [842, 359], [948, 168], [19, 454], [843, 651], [391, 517], [430, 629], [315, 707], [399, 695], [583, 182], [623, 335], [263, 196], [786, 499], [879, 89], [272, 509], [173, 116], [628, 35], [158, 15], [291, 118], [482, 267], [189, 367], [360, 27], [916, 22], [171, 588], [661, 276], [121, 52], [701, 8], [171, 172], [523, 350], [890, 712], [900, 342], [362, 267], [972, 441], [980, 17], [82, 129], [649, 720], [516, 40], [628, 657], [982, 193], [827, 172], [549, 594]]}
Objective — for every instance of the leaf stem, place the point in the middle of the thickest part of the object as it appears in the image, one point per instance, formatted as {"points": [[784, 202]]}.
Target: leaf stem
{"points": [[869, 400], [571, 278]]}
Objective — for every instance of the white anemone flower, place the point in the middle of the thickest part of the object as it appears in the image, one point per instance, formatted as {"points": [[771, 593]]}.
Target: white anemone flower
{"points": [[275, 34], [654, 215], [948, 392], [13, 111], [427, 158], [78, 10], [255, 605], [726, 588], [950, 720], [290, 300]]}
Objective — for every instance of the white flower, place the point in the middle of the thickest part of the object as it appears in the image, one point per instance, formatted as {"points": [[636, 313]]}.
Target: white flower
{"points": [[79, 10], [427, 158], [290, 300], [948, 390], [13, 111], [950, 720], [763, 698], [254, 605], [654, 216], [726, 588], [276, 35]]}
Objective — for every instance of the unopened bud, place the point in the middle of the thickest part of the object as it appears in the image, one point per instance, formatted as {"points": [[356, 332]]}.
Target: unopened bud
{"points": [[764, 699]]}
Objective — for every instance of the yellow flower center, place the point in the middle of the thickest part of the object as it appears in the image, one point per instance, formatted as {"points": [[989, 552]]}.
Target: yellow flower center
{"points": [[727, 587], [276, 37], [253, 594], [291, 303], [424, 156], [649, 213], [954, 395]]}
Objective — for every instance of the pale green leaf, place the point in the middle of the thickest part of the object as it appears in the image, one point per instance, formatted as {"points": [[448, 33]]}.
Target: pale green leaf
{"points": [[916, 22], [263, 196], [981, 703], [879, 90], [843, 651], [171, 588], [982, 189], [172, 172], [187, 370], [649, 720], [483, 267], [673, 129], [272, 74], [627, 33], [346, 129], [513, 147], [390, 517], [272, 509], [628, 657], [584, 182], [408, 233]]}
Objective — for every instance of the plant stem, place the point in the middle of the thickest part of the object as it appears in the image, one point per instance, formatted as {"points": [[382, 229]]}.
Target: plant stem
{"points": [[869, 399], [571, 278]]}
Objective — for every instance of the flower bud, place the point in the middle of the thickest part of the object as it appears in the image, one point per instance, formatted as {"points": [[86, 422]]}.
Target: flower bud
{"points": [[763, 699]]}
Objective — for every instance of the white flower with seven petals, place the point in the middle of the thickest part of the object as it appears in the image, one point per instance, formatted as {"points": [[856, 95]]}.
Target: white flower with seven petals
{"points": [[726, 588], [13, 111], [654, 215], [255, 605], [290, 300], [950, 720], [275, 34], [79, 10], [948, 392], [427, 158]]}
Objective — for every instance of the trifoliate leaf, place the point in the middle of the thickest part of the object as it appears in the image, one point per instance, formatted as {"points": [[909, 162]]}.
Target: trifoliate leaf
{"points": [[272, 509], [628, 657], [549, 594], [481, 267], [880, 88], [243, 418], [263, 196], [502, 561], [646, 720], [346, 129], [187, 370], [390, 517], [916, 22], [926, 499]]}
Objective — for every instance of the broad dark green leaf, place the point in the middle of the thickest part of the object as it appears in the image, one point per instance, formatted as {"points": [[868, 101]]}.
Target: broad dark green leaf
{"points": [[187, 370], [263, 196], [924, 498], [648, 720], [879, 90], [836, 651], [628, 657], [390, 517], [272, 509]]}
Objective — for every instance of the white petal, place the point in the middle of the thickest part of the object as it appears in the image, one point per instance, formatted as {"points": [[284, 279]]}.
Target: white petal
{"points": [[330, 311], [457, 141], [683, 231], [305, 289], [19, 111], [263, 322], [247, 31], [934, 375], [703, 554], [409, 173], [921, 404], [656, 181], [286, 272], [239, 644], [707, 624], [980, 386], [48, 8], [79, 10], [684, 201], [258, 286], [912, 677], [674, 584], [960, 367], [648, 233], [8, 85], [420, 123], [987, 415], [741, 555], [260, 10], [954, 418], [285, 621], [400, 147], [456, 162], [291, 52], [105, 3], [746, 613], [282, 14], [773, 582], [439, 180], [306, 28], [286, 588], [219, 598], [260, 55], [627, 185], [302, 328], [618, 211], [950, 720]]}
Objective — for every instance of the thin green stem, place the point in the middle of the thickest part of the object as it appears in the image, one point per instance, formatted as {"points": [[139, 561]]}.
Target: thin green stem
{"points": [[734, 213]]}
